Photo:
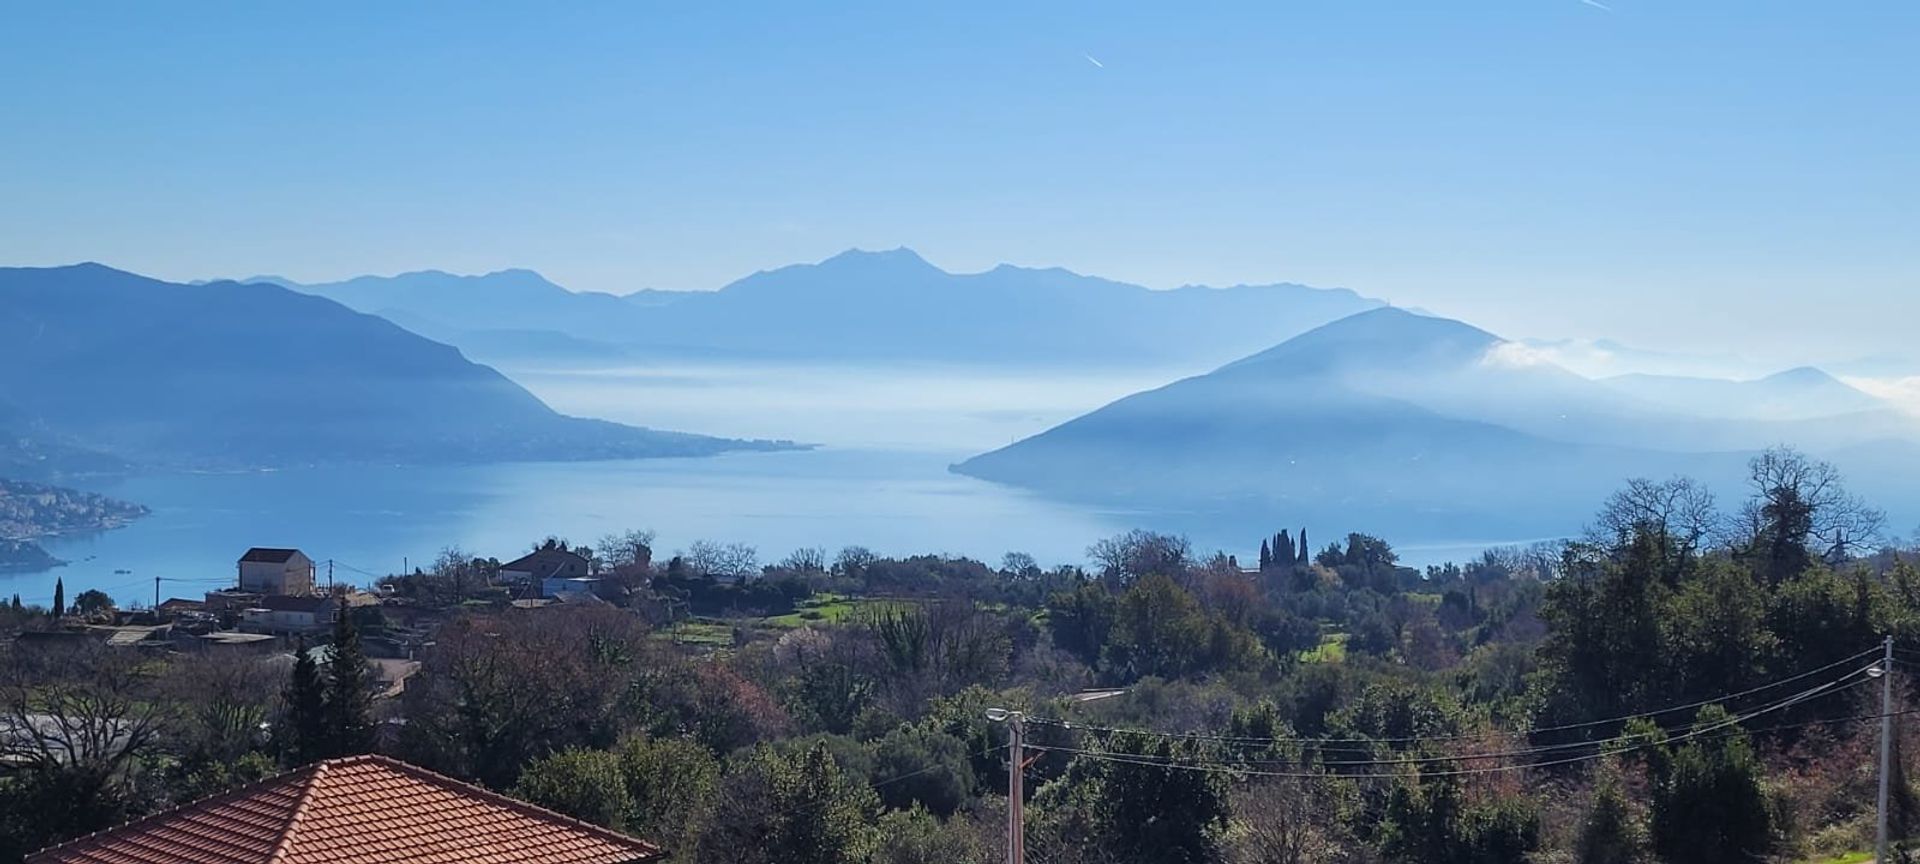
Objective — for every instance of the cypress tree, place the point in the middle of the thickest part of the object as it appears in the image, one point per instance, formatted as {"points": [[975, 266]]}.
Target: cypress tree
{"points": [[349, 700], [1284, 551], [59, 597], [16, 602], [1266, 556], [1305, 550], [306, 708]]}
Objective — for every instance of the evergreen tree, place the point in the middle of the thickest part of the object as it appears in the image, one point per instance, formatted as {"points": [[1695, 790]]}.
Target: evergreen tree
{"points": [[349, 700], [305, 698], [1266, 556], [16, 603], [1608, 834], [59, 597], [1284, 551], [1708, 806], [1305, 552]]}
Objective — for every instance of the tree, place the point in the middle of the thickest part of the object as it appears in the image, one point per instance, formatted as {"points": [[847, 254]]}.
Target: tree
{"points": [[305, 700], [59, 597], [791, 808], [1134, 810], [1305, 551], [916, 766], [853, 561], [1680, 510], [1708, 804], [1141, 553], [806, 559], [92, 602], [1800, 509], [671, 784], [915, 836], [726, 561], [348, 707], [83, 722], [1266, 556], [584, 784], [1608, 834]]}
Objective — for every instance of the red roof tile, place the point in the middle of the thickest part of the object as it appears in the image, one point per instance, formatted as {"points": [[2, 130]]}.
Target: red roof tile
{"points": [[367, 810]]}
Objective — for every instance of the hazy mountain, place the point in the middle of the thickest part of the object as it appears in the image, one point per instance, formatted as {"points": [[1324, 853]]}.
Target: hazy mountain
{"points": [[1388, 418], [861, 307], [1796, 394], [225, 374]]}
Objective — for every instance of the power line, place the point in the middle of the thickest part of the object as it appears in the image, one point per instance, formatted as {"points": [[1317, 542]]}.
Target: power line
{"points": [[1230, 768], [1200, 736], [932, 768], [1511, 754]]}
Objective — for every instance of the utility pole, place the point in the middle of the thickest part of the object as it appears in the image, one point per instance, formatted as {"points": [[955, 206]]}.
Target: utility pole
{"points": [[1016, 768], [1886, 747]]}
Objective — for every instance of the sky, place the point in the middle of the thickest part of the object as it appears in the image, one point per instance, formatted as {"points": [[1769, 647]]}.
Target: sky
{"points": [[1720, 177]]}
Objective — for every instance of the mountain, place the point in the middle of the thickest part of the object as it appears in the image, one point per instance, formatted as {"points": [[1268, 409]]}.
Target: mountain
{"points": [[1395, 421], [858, 307], [1796, 394], [229, 375]]}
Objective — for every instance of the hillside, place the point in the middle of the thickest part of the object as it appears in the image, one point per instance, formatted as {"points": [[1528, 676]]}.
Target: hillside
{"points": [[1386, 418], [1796, 394], [855, 307], [230, 375]]}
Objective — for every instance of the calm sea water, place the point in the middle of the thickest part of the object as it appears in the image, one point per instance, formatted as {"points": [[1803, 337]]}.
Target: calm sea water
{"points": [[880, 481]]}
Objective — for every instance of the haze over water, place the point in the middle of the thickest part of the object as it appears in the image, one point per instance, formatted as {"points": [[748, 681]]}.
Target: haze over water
{"points": [[879, 479]]}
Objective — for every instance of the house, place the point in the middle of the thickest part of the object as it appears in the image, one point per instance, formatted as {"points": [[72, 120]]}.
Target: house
{"points": [[282, 614], [236, 642], [276, 571], [368, 809], [555, 586], [179, 606], [545, 564]]}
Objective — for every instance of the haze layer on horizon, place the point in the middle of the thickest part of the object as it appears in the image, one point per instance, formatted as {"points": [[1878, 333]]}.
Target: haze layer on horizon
{"points": [[1710, 177]]}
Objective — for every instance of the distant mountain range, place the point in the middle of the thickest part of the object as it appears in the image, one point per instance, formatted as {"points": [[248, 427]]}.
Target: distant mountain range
{"points": [[102, 368], [1389, 418], [855, 307]]}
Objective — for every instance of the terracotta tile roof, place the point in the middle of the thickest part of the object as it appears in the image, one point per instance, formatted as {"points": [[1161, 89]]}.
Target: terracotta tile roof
{"points": [[365, 810]]}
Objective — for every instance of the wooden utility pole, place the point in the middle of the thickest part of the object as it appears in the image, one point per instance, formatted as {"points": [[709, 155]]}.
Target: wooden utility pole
{"points": [[1016, 769], [1886, 748]]}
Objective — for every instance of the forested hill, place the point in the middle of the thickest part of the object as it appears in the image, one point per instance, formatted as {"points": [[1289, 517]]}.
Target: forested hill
{"points": [[856, 307], [230, 375]]}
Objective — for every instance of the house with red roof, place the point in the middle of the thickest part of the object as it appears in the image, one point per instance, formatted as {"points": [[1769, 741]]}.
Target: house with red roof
{"points": [[363, 809]]}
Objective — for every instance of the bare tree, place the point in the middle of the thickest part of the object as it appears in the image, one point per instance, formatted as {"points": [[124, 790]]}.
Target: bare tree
{"points": [[626, 548], [1799, 504], [1680, 509], [728, 560], [85, 713], [1142, 553], [809, 559], [1284, 822]]}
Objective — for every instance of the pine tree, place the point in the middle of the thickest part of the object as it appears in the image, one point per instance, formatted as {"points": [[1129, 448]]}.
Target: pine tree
{"points": [[59, 597], [1266, 556], [306, 709], [349, 700], [1608, 834]]}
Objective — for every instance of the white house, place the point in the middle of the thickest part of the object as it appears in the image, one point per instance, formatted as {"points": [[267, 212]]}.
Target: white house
{"points": [[287, 572], [554, 586], [284, 614]]}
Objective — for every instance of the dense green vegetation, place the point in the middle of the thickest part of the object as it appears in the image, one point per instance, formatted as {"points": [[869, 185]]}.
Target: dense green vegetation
{"points": [[1682, 685]]}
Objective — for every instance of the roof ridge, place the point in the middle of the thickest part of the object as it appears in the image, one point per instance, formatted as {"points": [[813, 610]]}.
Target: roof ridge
{"points": [[510, 802], [202, 801], [281, 848]]}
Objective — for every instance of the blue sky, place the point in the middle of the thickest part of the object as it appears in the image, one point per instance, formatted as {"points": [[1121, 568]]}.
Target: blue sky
{"points": [[1726, 176]]}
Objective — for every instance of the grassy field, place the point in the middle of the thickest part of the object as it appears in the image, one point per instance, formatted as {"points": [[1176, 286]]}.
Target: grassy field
{"points": [[1846, 858], [1332, 649]]}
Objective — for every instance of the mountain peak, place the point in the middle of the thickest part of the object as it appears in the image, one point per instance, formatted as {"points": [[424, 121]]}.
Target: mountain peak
{"points": [[897, 258], [1387, 336], [1801, 376]]}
